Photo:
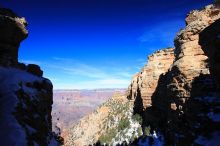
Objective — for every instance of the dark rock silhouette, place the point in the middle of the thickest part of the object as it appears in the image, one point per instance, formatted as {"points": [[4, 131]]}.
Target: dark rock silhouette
{"points": [[138, 104], [34, 69], [25, 96], [209, 39], [13, 30]]}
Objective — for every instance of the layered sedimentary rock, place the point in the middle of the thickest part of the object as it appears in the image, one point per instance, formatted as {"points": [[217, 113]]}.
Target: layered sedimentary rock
{"points": [[25, 96], [144, 83], [190, 59], [185, 103], [188, 93]]}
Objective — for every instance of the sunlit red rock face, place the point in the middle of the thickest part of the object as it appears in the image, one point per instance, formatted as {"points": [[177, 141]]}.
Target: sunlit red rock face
{"points": [[190, 59], [144, 83], [25, 96], [191, 89]]}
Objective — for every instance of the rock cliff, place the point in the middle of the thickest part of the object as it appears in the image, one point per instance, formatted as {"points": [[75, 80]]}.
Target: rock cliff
{"points": [[25, 96], [144, 83], [186, 94], [190, 59], [191, 89]]}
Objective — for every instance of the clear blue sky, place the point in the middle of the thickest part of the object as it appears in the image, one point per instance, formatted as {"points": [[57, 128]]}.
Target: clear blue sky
{"points": [[97, 43]]}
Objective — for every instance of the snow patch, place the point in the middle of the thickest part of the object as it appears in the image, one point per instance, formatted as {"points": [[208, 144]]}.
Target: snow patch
{"points": [[128, 133], [11, 81]]}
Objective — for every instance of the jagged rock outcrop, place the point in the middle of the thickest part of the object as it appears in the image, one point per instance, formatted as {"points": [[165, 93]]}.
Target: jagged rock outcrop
{"points": [[187, 94], [25, 96], [190, 59], [191, 90], [144, 83], [13, 31]]}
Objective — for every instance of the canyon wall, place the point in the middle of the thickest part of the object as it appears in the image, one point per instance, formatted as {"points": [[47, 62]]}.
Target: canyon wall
{"points": [[144, 83], [25, 96], [191, 89], [185, 100], [190, 59]]}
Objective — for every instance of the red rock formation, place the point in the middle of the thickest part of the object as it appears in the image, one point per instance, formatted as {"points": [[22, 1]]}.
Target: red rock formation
{"points": [[189, 90], [146, 81], [190, 60], [185, 100]]}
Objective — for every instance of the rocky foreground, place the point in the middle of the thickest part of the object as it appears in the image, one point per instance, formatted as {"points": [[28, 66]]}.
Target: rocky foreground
{"points": [[25, 96], [174, 100]]}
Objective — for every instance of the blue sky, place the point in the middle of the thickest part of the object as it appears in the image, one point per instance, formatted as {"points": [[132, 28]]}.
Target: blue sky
{"points": [[84, 44]]}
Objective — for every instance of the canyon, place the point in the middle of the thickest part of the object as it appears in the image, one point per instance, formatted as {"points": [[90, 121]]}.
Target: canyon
{"points": [[173, 100], [176, 94], [69, 106]]}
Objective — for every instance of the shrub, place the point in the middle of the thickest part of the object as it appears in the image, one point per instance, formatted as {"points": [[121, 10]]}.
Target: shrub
{"points": [[137, 118], [217, 1], [147, 131], [108, 136], [139, 131], [123, 124]]}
